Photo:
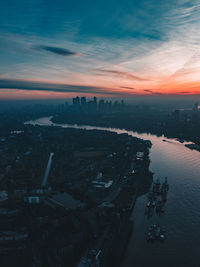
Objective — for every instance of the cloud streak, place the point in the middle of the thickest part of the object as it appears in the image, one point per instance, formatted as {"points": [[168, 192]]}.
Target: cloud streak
{"points": [[148, 90], [122, 74], [127, 87], [59, 50]]}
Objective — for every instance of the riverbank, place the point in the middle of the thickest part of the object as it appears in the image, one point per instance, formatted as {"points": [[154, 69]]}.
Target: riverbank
{"points": [[166, 126]]}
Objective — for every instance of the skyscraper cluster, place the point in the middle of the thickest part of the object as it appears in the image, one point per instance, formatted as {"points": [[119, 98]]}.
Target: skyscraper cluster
{"points": [[81, 103]]}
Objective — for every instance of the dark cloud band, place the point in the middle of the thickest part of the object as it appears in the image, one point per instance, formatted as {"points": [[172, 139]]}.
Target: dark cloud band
{"points": [[18, 84]]}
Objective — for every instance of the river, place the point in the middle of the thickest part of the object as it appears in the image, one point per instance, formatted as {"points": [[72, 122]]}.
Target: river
{"points": [[182, 216]]}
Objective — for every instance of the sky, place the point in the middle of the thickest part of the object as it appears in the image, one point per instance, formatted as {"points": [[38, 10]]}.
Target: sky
{"points": [[57, 49]]}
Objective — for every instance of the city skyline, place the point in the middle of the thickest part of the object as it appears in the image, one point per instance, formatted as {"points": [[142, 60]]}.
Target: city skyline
{"points": [[115, 49]]}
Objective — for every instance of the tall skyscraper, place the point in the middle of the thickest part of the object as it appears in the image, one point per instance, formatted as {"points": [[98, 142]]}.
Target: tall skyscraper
{"points": [[101, 105], [83, 100], [76, 101]]}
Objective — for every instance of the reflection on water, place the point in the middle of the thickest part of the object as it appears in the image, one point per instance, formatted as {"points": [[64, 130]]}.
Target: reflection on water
{"points": [[182, 215]]}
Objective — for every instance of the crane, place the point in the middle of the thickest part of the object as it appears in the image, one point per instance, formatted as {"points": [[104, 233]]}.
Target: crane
{"points": [[48, 168]]}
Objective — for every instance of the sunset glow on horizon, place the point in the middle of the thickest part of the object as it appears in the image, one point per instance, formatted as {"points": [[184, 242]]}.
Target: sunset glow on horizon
{"points": [[116, 48]]}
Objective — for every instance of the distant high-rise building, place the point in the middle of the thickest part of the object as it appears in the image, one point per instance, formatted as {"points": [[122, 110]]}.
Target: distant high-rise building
{"points": [[101, 105], [76, 101], [116, 105], [83, 100], [195, 107], [95, 103]]}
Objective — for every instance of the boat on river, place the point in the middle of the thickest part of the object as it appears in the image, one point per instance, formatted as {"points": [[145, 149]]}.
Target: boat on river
{"points": [[156, 233], [157, 197]]}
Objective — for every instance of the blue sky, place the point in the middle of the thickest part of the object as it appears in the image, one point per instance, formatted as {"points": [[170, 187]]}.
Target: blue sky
{"points": [[116, 47]]}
